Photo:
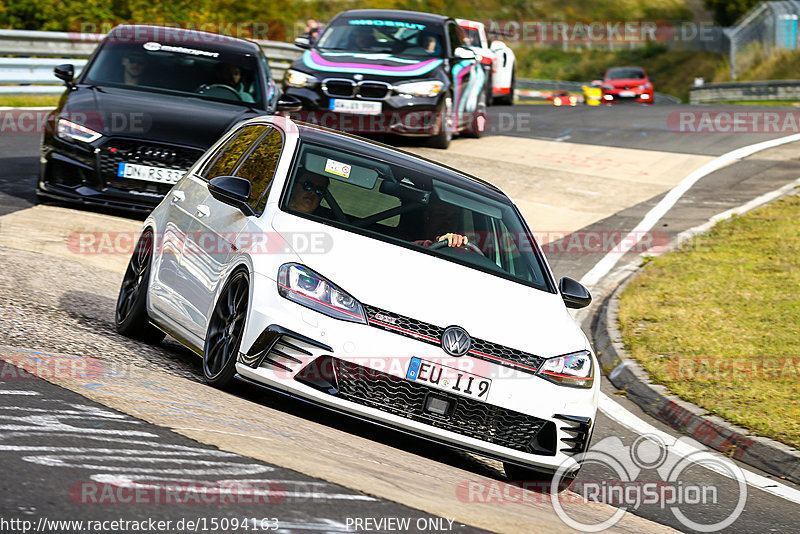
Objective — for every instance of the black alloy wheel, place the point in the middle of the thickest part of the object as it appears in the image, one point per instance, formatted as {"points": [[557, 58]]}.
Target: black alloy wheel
{"points": [[131, 311], [225, 331]]}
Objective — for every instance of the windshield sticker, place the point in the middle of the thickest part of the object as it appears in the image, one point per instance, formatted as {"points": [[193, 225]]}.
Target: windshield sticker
{"points": [[390, 23], [337, 168], [153, 47]]}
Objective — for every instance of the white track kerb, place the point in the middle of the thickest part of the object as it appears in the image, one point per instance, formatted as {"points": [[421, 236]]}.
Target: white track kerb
{"points": [[604, 266], [615, 410]]}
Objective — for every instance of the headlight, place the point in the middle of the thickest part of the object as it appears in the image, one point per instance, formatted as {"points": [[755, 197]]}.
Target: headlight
{"points": [[607, 87], [574, 369], [305, 287], [72, 130], [295, 78], [429, 88], [644, 87]]}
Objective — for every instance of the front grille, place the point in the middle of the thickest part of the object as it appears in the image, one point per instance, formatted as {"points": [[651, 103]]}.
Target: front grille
{"points": [[373, 90], [339, 88], [484, 350], [117, 151], [404, 398]]}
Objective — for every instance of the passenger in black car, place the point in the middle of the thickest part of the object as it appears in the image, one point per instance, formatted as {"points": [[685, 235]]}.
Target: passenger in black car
{"points": [[134, 67]]}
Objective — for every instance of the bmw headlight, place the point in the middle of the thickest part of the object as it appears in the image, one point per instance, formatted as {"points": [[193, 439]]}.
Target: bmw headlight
{"points": [[77, 132], [295, 78], [428, 88], [307, 288], [574, 369]]}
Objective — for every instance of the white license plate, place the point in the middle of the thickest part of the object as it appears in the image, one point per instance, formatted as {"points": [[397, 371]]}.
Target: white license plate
{"points": [[355, 106], [448, 379], [151, 174], [626, 93]]}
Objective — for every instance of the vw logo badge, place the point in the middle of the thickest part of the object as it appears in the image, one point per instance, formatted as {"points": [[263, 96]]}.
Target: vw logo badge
{"points": [[456, 341]]}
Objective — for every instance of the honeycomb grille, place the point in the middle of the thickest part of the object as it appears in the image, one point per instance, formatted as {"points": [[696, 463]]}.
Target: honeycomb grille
{"points": [[404, 398], [485, 350], [155, 155]]}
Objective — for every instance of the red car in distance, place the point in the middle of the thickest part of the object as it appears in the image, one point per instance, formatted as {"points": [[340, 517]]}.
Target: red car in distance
{"points": [[627, 84]]}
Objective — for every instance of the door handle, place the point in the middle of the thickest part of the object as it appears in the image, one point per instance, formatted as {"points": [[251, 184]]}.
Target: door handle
{"points": [[178, 196], [202, 211]]}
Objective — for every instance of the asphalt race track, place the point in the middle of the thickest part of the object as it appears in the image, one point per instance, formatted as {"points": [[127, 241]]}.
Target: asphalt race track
{"points": [[139, 417]]}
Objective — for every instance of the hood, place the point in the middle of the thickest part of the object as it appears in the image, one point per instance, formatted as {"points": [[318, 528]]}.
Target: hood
{"points": [[440, 292], [374, 64], [627, 82], [155, 116]]}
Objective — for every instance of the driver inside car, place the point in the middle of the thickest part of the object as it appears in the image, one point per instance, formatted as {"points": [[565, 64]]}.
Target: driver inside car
{"points": [[308, 191], [231, 76], [439, 219]]}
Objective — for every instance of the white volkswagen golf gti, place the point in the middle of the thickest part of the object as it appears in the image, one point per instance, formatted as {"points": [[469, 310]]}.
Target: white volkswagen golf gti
{"points": [[373, 282]]}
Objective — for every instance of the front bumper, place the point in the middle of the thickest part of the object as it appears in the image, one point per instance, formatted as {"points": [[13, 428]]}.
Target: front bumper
{"points": [[400, 114], [361, 370], [644, 97], [87, 174]]}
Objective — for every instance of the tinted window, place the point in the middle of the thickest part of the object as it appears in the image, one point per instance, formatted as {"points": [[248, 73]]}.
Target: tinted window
{"points": [[259, 168], [626, 74], [396, 37], [456, 37], [411, 207], [193, 68], [225, 161]]}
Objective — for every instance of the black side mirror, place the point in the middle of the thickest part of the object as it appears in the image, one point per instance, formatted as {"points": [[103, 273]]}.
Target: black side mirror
{"points": [[233, 191], [302, 42], [288, 103], [65, 72], [574, 294]]}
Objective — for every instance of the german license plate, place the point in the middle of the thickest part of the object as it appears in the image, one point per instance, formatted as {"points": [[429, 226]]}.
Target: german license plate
{"points": [[355, 106], [626, 93], [151, 174], [448, 379]]}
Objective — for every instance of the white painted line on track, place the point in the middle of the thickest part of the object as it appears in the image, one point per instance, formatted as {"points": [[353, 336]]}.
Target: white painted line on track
{"points": [[685, 449], [17, 392], [604, 266]]}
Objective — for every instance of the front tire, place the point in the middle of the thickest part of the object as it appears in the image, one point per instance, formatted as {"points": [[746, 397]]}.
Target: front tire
{"points": [[446, 126], [130, 316], [226, 330]]}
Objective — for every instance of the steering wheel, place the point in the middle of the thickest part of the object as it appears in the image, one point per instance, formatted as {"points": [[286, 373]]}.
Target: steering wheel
{"points": [[206, 87], [443, 243]]}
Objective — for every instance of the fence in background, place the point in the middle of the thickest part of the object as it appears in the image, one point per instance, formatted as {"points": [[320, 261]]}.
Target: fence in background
{"points": [[745, 91], [768, 27], [31, 72]]}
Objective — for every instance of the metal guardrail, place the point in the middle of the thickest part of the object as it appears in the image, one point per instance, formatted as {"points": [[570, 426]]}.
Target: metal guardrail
{"points": [[33, 73], [744, 91]]}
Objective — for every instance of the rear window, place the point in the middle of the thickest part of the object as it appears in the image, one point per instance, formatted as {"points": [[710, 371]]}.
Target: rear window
{"points": [[411, 208]]}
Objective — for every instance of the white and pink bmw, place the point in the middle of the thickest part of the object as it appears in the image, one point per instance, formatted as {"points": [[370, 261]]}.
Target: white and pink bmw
{"points": [[373, 282]]}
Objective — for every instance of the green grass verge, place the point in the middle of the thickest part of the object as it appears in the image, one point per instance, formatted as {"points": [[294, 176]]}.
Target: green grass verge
{"points": [[23, 101], [718, 321]]}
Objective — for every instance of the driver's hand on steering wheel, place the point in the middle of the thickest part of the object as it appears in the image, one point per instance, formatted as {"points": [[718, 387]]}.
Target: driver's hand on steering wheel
{"points": [[454, 240]]}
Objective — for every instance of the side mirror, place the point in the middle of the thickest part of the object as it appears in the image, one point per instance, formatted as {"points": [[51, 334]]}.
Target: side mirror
{"points": [[65, 72], [574, 294], [302, 42], [463, 53], [233, 191], [288, 103]]}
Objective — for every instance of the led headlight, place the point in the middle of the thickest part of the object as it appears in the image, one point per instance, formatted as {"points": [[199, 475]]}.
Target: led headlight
{"points": [[305, 287], [77, 132], [428, 88], [574, 369], [295, 78]]}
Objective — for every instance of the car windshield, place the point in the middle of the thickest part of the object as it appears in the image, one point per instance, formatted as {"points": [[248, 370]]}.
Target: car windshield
{"points": [[182, 68], [409, 206], [396, 37], [626, 74]]}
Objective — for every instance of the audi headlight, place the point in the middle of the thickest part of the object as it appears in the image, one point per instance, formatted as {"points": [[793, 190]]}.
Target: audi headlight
{"points": [[295, 78], [574, 369], [77, 132], [429, 88], [300, 284]]}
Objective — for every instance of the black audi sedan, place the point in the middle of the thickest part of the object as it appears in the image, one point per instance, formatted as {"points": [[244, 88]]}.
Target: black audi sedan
{"points": [[390, 71], [150, 101]]}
